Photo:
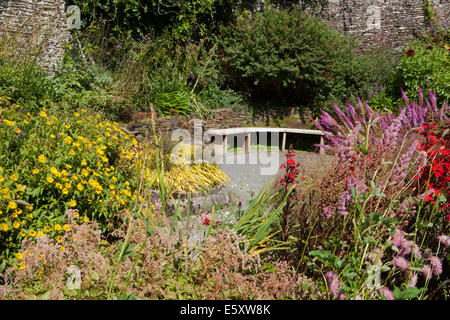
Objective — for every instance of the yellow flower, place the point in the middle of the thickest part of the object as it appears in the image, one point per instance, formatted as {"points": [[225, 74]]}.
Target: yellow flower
{"points": [[35, 171], [14, 177], [66, 227], [80, 187], [42, 158], [59, 239], [16, 224], [32, 233], [47, 228], [22, 265], [4, 227], [68, 166], [50, 179], [25, 121], [18, 130], [65, 191], [40, 234], [12, 205], [19, 255], [85, 219], [29, 207], [76, 214], [76, 114], [43, 114], [57, 227], [58, 185], [22, 234], [83, 162], [20, 188], [30, 215], [72, 153], [62, 248], [73, 203], [2, 179], [8, 123], [52, 136]]}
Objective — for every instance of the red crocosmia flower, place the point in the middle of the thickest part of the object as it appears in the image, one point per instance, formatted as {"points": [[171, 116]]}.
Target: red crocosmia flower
{"points": [[206, 222], [410, 52]]}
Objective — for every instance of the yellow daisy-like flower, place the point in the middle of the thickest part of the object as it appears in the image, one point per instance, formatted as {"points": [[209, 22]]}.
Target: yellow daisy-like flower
{"points": [[62, 248], [22, 265], [83, 163], [35, 171], [80, 187], [29, 207], [85, 219], [30, 216], [72, 153], [52, 136], [1, 212], [65, 191], [16, 224], [73, 203], [68, 166], [4, 227], [47, 228], [76, 214], [22, 234], [25, 121], [66, 227], [59, 239], [32, 233], [40, 234], [42, 158], [18, 130], [14, 177], [57, 227], [43, 114], [12, 205], [76, 114], [58, 185], [19, 255], [20, 188], [8, 123], [50, 179]]}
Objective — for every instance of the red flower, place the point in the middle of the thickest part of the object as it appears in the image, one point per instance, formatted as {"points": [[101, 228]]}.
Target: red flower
{"points": [[410, 52], [206, 222]]}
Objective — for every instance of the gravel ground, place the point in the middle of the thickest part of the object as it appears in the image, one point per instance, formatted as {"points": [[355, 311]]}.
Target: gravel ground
{"points": [[250, 172]]}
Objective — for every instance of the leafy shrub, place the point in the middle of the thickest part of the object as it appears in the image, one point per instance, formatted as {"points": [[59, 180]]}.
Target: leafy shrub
{"points": [[289, 55], [425, 66]]}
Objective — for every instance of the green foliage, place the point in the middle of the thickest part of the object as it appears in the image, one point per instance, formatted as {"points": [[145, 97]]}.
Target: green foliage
{"points": [[290, 55], [428, 68], [23, 81]]}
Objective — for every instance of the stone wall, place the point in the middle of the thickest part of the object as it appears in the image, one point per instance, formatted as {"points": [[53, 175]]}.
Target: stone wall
{"points": [[34, 28], [396, 20]]}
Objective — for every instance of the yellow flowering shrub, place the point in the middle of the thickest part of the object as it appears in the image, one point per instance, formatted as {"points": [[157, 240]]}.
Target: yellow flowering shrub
{"points": [[50, 163]]}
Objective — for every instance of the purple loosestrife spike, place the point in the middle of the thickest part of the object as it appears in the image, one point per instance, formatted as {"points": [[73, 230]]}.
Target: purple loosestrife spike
{"points": [[445, 240], [400, 262], [343, 117], [412, 280], [426, 271], [405, 97], [401, 168], [326, 212], [420, 96], [333, 283], [436, 264], [387, 293]]}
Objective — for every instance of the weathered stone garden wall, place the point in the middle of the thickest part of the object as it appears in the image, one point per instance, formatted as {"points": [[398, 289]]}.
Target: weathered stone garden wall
{"points": [[394, 20], [36, 22], [34, 28]]}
